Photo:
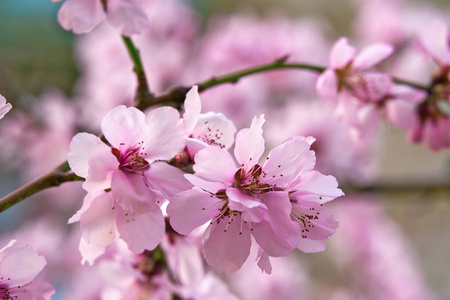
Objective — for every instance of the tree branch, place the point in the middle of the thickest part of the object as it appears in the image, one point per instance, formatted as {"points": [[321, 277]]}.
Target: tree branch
{"points": [[176, 96], [52, 179], [144, 99]]}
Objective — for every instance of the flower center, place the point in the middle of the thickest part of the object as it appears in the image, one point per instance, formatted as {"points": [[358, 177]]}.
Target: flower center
{"points": [[131, 160], [250, 182], [4, 294], [306, 216]]}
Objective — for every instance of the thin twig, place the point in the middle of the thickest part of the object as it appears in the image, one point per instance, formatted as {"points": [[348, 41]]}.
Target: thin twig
{"points": [[143, 97], [52, 179]]}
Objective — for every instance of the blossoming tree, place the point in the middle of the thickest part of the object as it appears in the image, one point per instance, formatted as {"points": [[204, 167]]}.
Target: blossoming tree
{"points": [[181, 188]]}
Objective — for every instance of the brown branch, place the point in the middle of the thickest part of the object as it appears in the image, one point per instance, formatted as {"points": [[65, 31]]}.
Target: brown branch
{"points": [[52, 179]]}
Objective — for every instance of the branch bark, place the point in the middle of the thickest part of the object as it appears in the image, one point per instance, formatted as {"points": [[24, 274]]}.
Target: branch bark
{"points": [[52, 179]]}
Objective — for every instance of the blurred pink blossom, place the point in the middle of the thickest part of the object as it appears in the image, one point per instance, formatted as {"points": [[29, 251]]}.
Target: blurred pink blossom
{"points": [[348, 72], [382, 263], [81, 16], [434, 111], [19, 265]]}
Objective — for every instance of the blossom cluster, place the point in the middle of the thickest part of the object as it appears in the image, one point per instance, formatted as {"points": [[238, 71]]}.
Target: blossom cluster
{"points": [[164, 190], [278, 202]]}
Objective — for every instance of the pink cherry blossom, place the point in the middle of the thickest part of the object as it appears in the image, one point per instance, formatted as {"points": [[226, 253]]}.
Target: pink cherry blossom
{"points": [[4, 107], [205, 129], [348, 72], [127, 181], [397, 105], [245, 201], [19, 265], [81, 16], [434, 111]]}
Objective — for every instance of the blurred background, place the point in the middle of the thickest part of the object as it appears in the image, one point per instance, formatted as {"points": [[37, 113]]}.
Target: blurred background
{"points": [[393, 241]]}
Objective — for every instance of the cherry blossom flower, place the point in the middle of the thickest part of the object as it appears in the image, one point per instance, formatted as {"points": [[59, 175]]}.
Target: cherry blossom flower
{"points": [[19, 265], [4, 107], [434, 111], [358, 90], [348, 72], [81, 16], [127, 181], [397, 105], [205, 129], [251, 200]]}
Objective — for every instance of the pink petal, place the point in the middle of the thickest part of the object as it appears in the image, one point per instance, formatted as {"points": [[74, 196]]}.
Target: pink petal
{"points": [[264, 262], [35, 290], [4, 107], [124, 127], [97, 223], [81, 16], [166, 179], [321, 222], [315, 186], [279, 213], [166, 137], [102, 165], [402, 113], [132, 193], [327, 85], [214, 164], [311, 246], [128, 16], [86, 203], [286, 161], [19, 263], [226, 245], [408, 93], [215, 130], [141, 231], [436, 134], [341, 53], [376, 86], [82, 147], [192, 108], [253, 210], [372, 55], [194, 146], [250, 144], [89, 252], [368, 118], [435, 40], [210, 186], [272, 243], [191, 209]]}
